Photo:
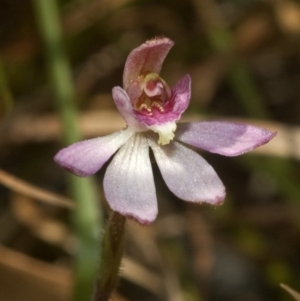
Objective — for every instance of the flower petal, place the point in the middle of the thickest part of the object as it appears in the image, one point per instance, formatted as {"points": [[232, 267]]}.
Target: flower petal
{"points": [[225, 138], [182, 92], [87, 157], [128, 183], [124, 106], [187, 174], [147, 57]]}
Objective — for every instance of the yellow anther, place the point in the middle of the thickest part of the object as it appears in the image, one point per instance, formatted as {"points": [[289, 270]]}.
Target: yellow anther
{"points": [[157, 105], [143, 106]]}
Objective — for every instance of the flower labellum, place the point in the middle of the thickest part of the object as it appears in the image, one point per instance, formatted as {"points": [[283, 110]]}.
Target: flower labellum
{"points": [[151, 110]]}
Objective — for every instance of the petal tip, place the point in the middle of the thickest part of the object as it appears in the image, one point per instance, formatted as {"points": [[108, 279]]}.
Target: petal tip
{"points": [[266, 137], [142, 221], [159, 41], [60, 159], [219, 200], [271, 136]]}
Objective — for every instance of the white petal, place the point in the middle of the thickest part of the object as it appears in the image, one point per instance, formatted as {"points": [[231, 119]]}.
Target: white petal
{"points": [[87, 157], [187, 174], [128, 183]]}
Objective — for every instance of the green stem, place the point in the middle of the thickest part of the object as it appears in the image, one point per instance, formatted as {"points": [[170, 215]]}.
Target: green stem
{"points": [[86, 215], [112, 250], [58, 66]]}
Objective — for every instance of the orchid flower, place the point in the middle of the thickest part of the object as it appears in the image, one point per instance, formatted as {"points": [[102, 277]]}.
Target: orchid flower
{"points": [[151, 110]]}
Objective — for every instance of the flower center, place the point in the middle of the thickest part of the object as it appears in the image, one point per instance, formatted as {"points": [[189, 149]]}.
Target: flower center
{"points": [[155, 93], [151, 98]]}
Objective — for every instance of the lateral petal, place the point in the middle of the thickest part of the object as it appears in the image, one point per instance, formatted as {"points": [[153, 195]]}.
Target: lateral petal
{"points": [[224, 138], [148, 57], [182, 92], [128, 183], [187, 174], [124, 106], [87, 157]]}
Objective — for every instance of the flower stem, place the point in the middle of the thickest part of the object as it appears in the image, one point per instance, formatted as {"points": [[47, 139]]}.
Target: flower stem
{"points": [[112, 250]]}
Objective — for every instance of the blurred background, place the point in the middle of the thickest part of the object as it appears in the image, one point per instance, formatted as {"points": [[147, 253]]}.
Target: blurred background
{"points": [[244, 60]]}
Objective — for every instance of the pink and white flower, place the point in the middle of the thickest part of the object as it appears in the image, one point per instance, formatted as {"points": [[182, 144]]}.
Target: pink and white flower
{"points": [[151, 110]]}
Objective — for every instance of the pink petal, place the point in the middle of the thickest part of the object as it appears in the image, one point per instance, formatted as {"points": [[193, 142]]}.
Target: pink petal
{"points": [[128, 183], [124, 106], [87, 157], [225, 138], [175, 106], [182, 92], [187, 174], [148, 57]]}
